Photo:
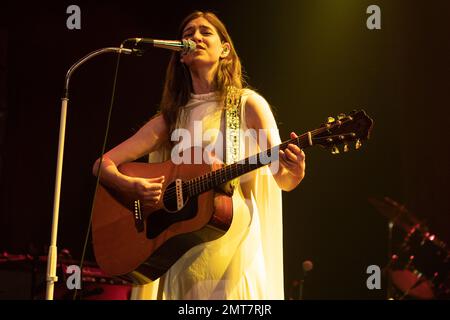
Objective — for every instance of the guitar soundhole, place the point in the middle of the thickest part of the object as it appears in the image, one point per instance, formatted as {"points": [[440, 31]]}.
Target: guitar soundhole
{"points": [[160, 220], [170, 198]]}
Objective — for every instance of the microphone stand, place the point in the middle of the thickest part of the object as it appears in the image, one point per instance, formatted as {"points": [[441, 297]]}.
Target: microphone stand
{"points": [[300, 289], [389, 280], [307, 266], [52, 252]]}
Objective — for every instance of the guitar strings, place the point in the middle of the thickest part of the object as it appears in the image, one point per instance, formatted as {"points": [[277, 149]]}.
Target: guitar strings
{"points": [[197, 185], [200, 184]]}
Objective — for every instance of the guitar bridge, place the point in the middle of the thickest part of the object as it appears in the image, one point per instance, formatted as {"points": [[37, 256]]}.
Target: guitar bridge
{"points": [[179, 193], [138, 221]]}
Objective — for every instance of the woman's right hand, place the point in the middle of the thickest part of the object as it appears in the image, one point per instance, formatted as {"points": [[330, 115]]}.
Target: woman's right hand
{"points": [[147, 191]]}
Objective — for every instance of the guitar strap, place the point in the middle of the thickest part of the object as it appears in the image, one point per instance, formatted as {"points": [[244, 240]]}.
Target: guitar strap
{"points": [[232, 130]]}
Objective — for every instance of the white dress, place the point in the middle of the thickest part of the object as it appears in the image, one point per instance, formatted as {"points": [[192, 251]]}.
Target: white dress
{"points": [[247, 261]]}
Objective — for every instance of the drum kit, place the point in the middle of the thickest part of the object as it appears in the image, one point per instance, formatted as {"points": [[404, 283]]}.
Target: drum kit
{"points": [[418, 267]]}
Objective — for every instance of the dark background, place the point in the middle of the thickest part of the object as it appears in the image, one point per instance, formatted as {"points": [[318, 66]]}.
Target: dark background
{"points": [[310, 59]]}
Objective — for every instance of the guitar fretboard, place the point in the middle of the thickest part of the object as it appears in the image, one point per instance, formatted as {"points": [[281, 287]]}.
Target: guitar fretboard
{"points": [[229, 172]]}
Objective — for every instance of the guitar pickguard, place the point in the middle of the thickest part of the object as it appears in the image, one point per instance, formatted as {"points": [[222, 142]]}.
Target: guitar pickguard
{"points": [[160, 220]]}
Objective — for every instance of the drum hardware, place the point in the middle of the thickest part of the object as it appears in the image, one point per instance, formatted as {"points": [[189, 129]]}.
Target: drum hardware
{"points": [[96, 285], [419, 267]]}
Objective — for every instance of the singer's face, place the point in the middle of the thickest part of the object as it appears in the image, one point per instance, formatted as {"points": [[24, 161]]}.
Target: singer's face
{"points": [[209, 47]]}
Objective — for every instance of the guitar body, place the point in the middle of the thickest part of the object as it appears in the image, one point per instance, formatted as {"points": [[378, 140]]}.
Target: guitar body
{"points": [[190, 211], [122, 246]]}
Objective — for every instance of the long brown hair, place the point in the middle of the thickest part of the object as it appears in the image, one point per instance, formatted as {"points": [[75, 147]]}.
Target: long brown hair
{"points": [[178, 83]]}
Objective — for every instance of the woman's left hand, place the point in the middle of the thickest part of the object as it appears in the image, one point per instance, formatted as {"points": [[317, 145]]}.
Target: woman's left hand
{"points": [[293, 159]]}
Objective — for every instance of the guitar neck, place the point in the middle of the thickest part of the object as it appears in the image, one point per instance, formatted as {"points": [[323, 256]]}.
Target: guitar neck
{"points": [[229, 172], [352, 128]]}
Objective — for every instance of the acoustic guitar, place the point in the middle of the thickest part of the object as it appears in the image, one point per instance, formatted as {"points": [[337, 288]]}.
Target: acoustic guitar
{"points": [[128, 238]]}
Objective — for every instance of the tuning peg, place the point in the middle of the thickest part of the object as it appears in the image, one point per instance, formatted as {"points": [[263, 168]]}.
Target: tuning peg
{"points": [[358, 144], [334, 150], [345, 147], [341, 116], [331, 120]]}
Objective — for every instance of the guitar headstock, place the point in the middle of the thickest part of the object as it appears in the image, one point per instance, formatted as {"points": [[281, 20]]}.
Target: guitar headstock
{"points": [[343, 130]]}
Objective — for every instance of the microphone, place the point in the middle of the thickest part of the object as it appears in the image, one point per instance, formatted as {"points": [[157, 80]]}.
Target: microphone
{"points": [[307, 266], [185, 46]]}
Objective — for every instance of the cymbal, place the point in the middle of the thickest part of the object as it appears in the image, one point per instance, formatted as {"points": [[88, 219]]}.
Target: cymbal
{"points": [[395, 212]]}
